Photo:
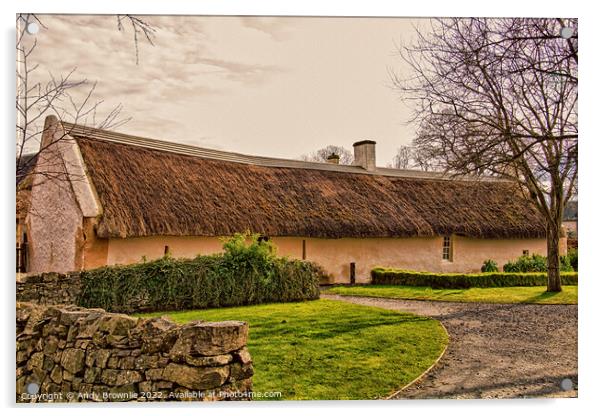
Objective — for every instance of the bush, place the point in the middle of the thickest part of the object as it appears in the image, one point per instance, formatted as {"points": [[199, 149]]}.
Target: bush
{"points": [[572, 258], [535, 263], [381, 276], [525, 264], [489, 266], [246, 273], [565, 264]]}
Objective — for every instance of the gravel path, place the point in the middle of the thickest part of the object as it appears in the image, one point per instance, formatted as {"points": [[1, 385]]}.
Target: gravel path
{"points": [[495, 350]]}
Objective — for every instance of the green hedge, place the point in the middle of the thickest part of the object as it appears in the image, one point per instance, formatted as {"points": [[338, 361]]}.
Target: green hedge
{"points": [[243, 275], [381, 276], [199, 283]]}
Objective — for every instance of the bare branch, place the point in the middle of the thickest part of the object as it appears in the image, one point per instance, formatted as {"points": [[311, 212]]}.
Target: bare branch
{"points": [[138, 26]]}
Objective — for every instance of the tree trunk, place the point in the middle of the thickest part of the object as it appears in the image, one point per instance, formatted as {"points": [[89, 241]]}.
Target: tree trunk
{"points": [[553, 236]]}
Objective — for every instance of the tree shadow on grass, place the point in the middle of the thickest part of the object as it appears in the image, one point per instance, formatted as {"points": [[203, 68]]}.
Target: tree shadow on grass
{"points": [[546, 296], [336, 328]]}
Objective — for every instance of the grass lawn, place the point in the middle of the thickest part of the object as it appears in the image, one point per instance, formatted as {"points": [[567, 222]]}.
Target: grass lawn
{"points": [[516, 294], [329, 350]]}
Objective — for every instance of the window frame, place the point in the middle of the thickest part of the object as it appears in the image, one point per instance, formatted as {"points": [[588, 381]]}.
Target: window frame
{"points": [[447, 252]]}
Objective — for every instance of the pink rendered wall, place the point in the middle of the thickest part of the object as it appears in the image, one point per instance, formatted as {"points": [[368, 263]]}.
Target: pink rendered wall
{"points": [[335, 255]]}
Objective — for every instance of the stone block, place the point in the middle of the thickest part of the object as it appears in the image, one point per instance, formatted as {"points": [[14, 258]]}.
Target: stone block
{"points": [[209, 338], [156, 335], [69, 317], [127, 363], [145, 386], [243, 356], [113, 362], [196, 378], [51, 345], [91, 375], [72, 360], [113, 377], [123, 393], [154, 374], [36, 361], [212, 361], [146, 361], [117, 324], [102, 358], [56, 374], [240, 371]]}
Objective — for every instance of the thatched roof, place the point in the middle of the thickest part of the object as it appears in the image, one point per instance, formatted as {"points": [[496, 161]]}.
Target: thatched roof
{"points": [[145, 191]]}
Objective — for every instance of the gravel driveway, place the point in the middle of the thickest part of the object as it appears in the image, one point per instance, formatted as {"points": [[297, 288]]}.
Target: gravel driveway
{"points": [[495, 350]]}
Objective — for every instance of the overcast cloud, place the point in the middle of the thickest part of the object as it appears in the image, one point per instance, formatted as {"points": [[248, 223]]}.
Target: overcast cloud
{"points": [[268, 86]]}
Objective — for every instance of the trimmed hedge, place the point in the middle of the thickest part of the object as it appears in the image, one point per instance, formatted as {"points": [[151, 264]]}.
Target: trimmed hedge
{"points": [[245, 274], [381, 276]]}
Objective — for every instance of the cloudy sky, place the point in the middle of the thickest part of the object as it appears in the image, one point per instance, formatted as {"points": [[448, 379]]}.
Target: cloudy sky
{"points": [[278, 87]]}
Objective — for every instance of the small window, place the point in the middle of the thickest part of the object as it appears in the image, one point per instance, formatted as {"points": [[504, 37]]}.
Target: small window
{"points": [[166, 251], [304, 251], [447, 248], [525, 252]]}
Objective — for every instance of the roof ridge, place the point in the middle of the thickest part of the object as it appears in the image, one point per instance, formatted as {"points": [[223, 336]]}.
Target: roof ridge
{"points": [[76, 130]]}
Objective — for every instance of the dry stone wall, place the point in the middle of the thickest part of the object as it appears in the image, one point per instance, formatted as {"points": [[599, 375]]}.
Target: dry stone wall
{"points": [[68, 353], [50, 288]]}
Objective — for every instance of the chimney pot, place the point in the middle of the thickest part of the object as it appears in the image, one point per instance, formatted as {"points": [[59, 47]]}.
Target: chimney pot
{"points": [[333, 158], [365, 154]]}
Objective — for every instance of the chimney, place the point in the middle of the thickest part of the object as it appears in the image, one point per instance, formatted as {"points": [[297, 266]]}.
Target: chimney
{"points": [[333, 158], [365, 154]]}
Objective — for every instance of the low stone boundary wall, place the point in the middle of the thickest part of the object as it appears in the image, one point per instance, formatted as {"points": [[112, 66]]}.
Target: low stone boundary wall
{"points": [[74, 354], [49, 288], [175, 284]]}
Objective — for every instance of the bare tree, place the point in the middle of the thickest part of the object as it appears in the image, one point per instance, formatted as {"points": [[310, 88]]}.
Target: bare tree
{"points": [[35, 100], [403, 158], [321, 155], [499, 96], [423, 160], [412, 157]]}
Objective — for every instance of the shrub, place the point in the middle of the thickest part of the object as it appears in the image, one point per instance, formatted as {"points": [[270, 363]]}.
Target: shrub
{"points": [[248, 272], [489, 266], [565, 264], [572, 258], [381, 276], [535, 263], [525, 264]]}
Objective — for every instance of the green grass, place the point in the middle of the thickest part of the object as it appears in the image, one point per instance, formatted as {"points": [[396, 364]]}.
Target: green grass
{"points": [[515, 294], [329, 350]]}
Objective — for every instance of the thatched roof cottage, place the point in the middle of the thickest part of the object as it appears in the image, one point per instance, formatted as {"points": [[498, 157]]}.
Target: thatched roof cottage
{"points": [[120, 198]]}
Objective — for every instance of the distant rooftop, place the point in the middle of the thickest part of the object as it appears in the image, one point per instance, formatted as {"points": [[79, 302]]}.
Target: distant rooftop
{"points": [[25, 165]]}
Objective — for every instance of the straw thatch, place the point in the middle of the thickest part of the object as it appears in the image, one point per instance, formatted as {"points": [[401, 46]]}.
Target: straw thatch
{"points": [[147, 192]]}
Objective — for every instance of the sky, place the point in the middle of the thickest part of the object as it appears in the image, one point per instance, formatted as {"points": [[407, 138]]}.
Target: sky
{"points": [[271, 86]]}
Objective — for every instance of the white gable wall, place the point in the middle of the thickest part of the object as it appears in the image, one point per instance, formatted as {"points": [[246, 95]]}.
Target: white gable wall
{"points": [[60, 199]]}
